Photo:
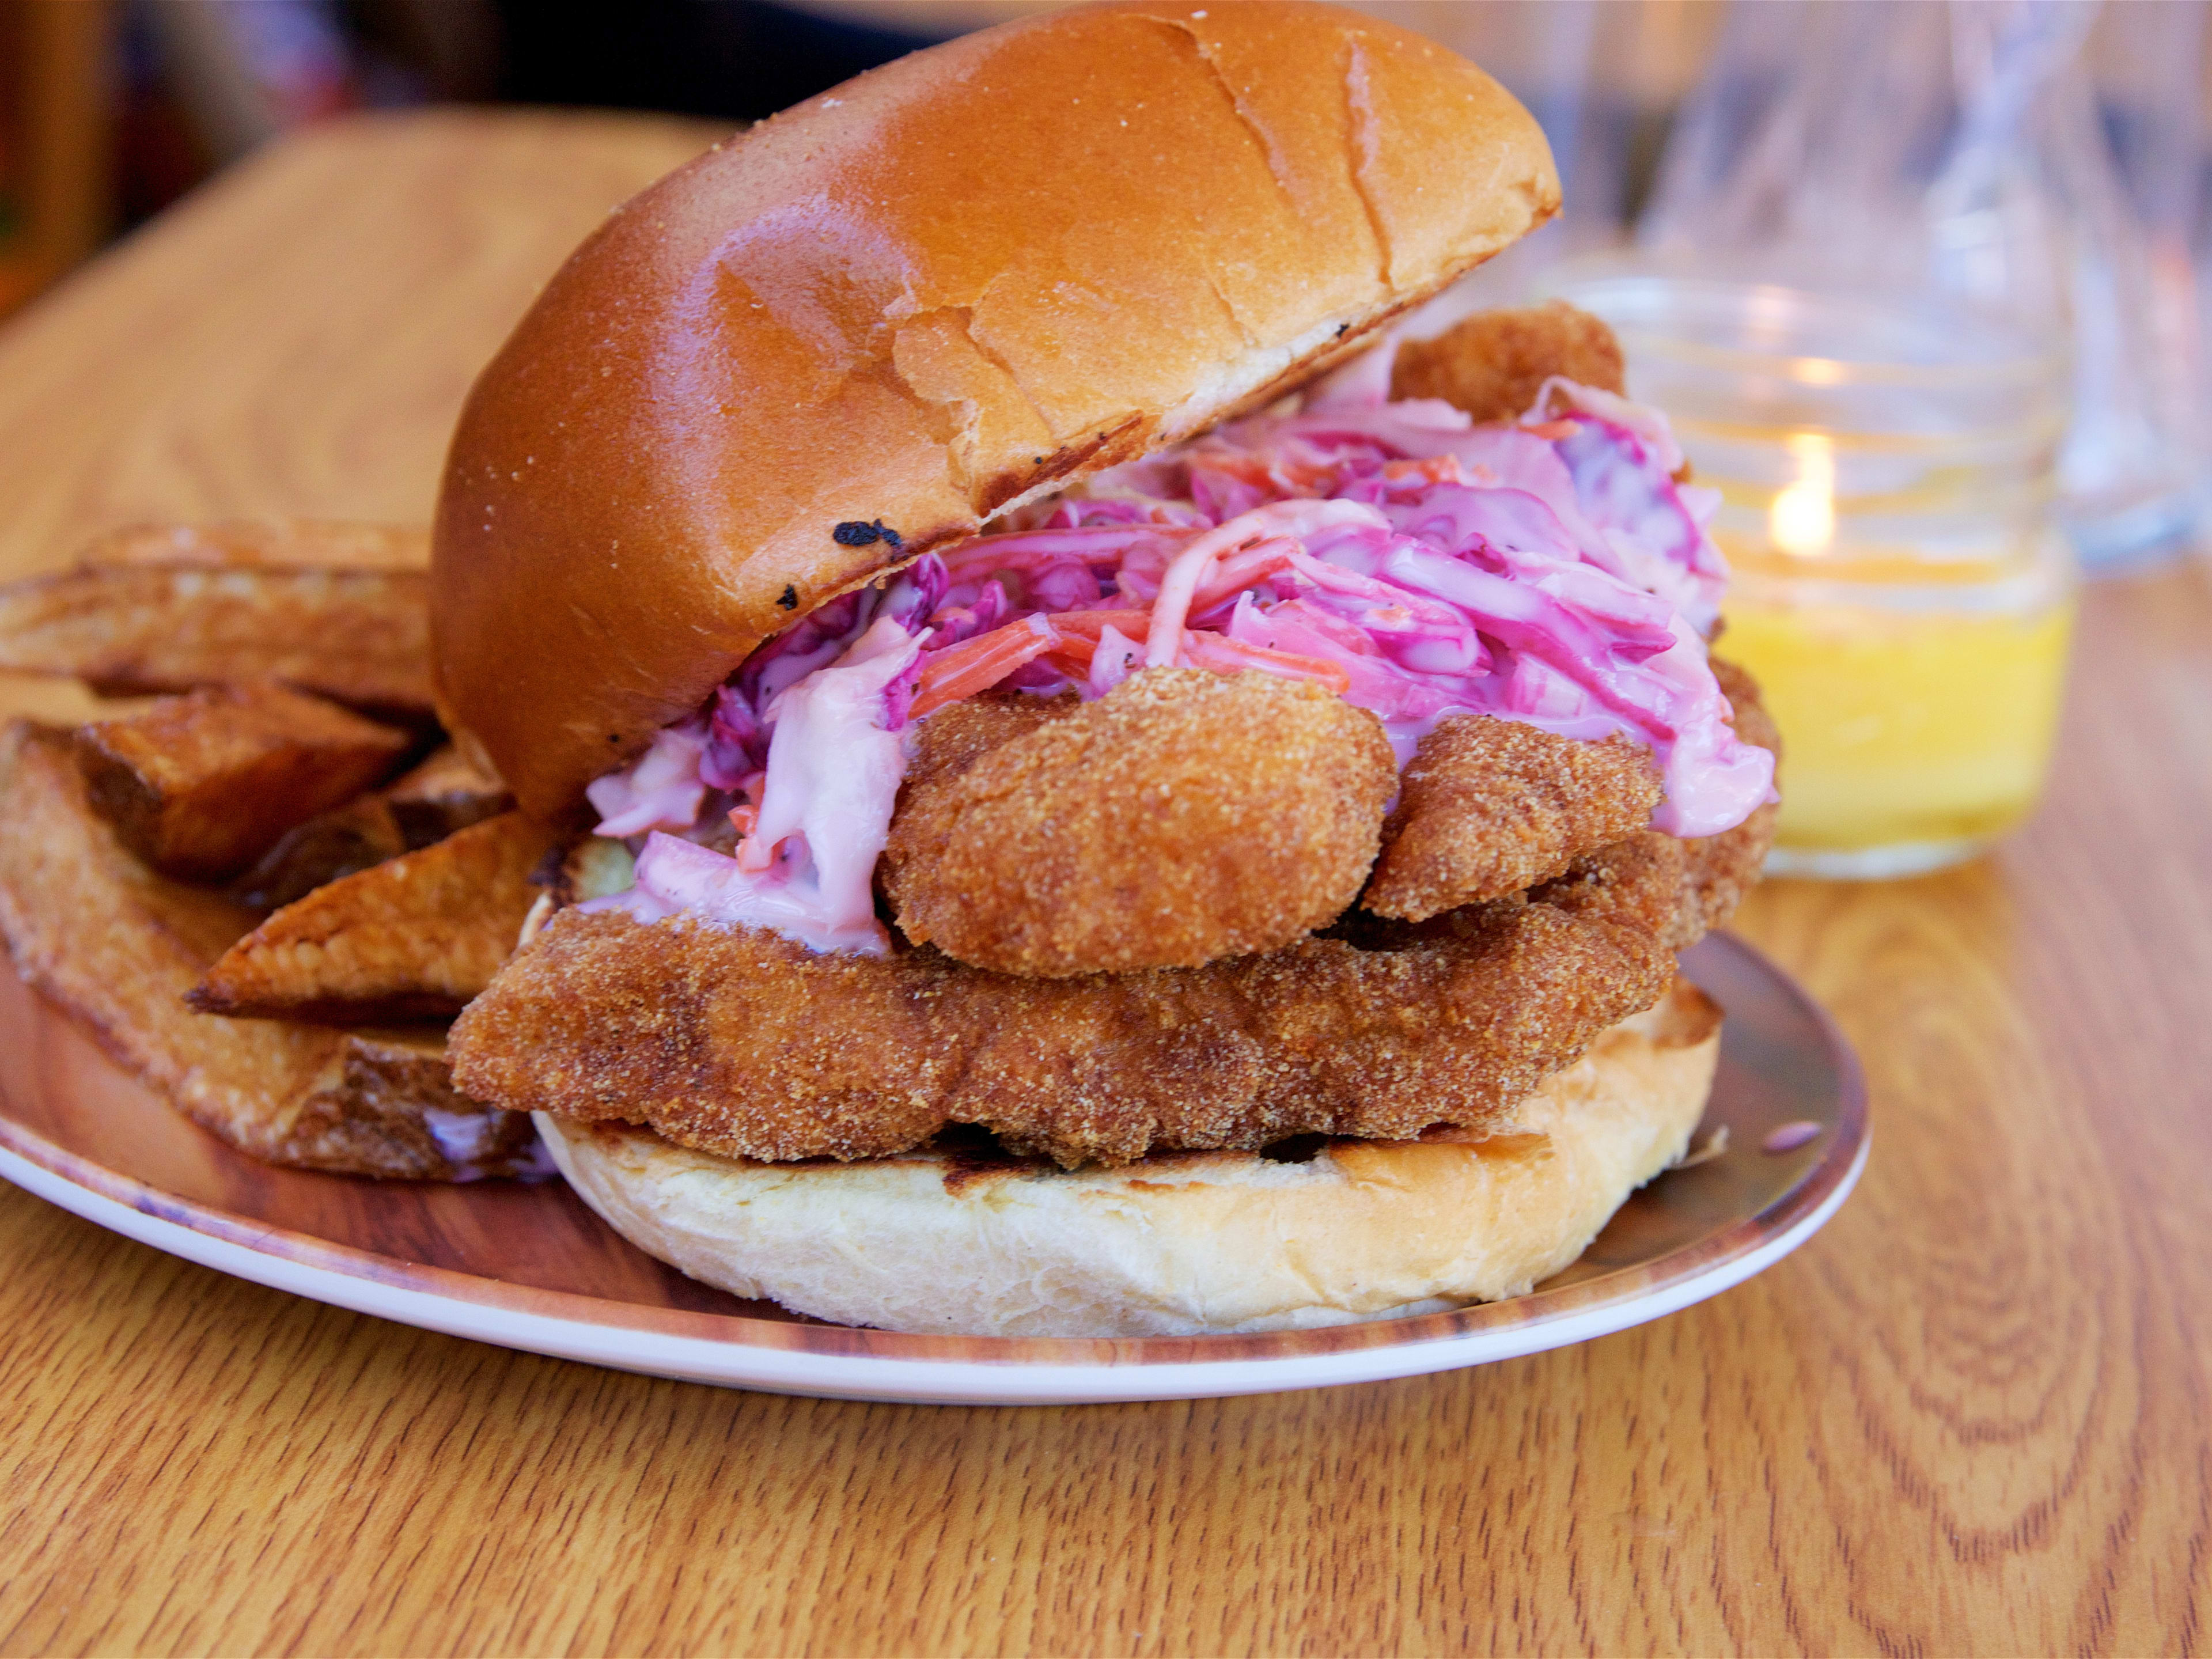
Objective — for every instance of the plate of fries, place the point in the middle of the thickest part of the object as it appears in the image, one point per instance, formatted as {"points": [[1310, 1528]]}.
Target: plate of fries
{"points": [[262, 887], [246, 900]]}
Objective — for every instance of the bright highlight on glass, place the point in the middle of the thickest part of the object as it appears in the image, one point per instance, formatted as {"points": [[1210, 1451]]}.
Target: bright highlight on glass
{"points": [[1802, 520]]}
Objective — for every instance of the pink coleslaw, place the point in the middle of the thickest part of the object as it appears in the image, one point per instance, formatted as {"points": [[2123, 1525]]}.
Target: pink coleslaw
{"points": [[1551, 570]]}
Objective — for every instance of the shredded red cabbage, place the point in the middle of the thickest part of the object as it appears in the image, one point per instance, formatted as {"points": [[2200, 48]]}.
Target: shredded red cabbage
{"points": [[1550, 571]]}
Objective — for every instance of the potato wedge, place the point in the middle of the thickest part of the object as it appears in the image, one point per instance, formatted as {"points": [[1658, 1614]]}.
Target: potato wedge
{"points": [[443, 794], [446, 792], [265, 544], [414, 937], [327, 848], [587, 868], [117, 946], [388, 1098], [360, 637], [201, 785]]}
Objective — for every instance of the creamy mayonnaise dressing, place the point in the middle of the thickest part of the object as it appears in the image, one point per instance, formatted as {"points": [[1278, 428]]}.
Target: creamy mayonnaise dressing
{"points": [[807, 870]]}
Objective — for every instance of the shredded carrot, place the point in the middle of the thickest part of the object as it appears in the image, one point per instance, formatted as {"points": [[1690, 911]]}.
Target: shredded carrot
{"points": [[1295, 477], [1227, 656], [745, 818], [1089, 624], [976, 665], [1079, 632], [1435, 468], [1073, 653], [1234, 572], [1551, 431]]}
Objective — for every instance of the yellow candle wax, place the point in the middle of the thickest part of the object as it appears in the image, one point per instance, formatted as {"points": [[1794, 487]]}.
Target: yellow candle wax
{"points": [[1903, 727]]}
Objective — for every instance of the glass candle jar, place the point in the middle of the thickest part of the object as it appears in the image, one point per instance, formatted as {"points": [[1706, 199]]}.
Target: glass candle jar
{"points": [[1886, 472]]}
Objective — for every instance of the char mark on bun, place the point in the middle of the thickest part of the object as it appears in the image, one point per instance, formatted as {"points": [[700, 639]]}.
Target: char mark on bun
{"points": [[854, 533], [1239, 740]]}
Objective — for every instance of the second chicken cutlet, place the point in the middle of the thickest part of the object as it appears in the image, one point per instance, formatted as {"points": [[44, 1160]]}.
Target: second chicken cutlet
{"points": [[1186, 816]]}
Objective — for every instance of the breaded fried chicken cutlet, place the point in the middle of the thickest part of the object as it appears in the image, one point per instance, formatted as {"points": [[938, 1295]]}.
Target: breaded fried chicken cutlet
{"points": [[1118, 796], [1183, 817]]}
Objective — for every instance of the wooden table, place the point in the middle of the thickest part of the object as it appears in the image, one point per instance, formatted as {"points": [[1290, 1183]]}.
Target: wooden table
{"points": [[1974, 1415]]}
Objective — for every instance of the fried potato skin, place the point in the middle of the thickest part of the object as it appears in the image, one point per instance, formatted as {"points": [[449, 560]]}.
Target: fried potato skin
{"points": [[1492, 807], [358, 637], [737, 1041], [386, 1106], [116, 945], [278, 544], [443, 794], [327, 848], [1494, 363], [200, 785], [1183, 817], [412, 937]]}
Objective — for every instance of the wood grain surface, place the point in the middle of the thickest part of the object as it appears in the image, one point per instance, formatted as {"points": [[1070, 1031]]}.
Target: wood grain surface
{"points": [[1975, 1414]]}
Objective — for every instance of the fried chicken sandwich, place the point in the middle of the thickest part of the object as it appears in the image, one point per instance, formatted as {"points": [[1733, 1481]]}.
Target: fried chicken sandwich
{"points": [[1119, 805]]}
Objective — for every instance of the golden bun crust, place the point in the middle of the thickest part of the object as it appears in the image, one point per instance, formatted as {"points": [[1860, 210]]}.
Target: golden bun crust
{"points": [[958, 281], [1175, 1246]]}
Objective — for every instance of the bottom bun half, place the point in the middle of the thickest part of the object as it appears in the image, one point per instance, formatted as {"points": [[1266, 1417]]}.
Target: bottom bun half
{"points": [[1179, 1245]]}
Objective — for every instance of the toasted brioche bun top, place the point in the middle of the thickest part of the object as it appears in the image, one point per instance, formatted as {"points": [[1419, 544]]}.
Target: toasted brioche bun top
{"points": [[962, 280]]}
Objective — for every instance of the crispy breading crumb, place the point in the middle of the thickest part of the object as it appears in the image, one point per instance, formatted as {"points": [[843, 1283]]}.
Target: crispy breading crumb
{"points": [[1490, 806], [1185, 817], [959, 735], [734, 1041], [1494, 363], [1681, 890]]}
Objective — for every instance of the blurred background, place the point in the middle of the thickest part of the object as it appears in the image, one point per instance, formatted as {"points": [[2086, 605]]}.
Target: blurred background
{"points": [[1681, 120], [111, 109]]}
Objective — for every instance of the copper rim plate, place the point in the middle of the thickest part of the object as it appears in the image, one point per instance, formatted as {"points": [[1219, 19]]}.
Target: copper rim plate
{"points": [[529, 1267]]}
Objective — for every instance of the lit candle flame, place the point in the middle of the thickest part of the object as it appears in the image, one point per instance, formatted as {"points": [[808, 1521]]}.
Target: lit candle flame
{"points": [[1802, 520]]}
